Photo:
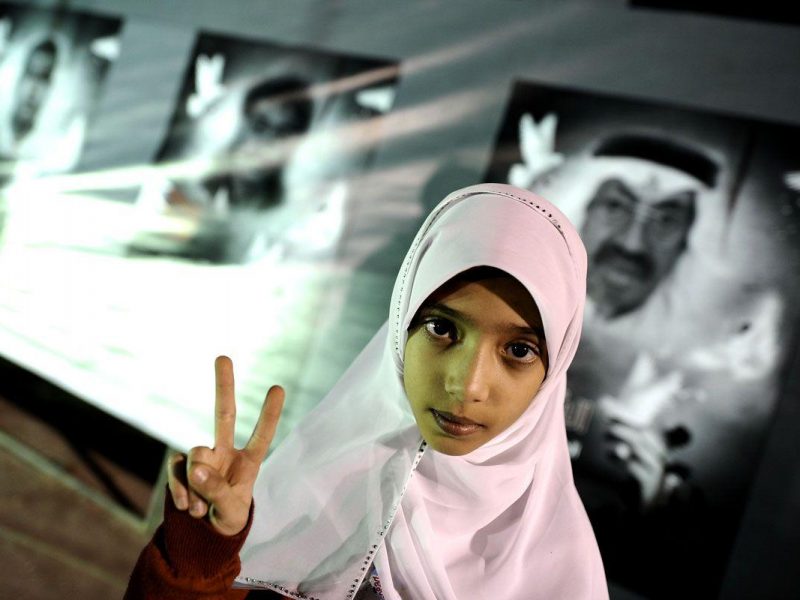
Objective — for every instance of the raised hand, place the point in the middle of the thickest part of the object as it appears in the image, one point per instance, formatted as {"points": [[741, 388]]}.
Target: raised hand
{"points": [[537, 142], [208, 73], [218, 482], [633, 433]]}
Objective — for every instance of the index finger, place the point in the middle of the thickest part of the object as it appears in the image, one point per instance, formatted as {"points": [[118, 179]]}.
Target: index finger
{"points": [[224, 403], [264, 431]]}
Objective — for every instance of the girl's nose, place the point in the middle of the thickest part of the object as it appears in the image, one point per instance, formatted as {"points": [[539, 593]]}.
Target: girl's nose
{"points": [[469, 373]]}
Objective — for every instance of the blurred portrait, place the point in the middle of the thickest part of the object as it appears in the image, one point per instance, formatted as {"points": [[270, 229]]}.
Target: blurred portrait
{"points": [[52, 65], [257, 154]]}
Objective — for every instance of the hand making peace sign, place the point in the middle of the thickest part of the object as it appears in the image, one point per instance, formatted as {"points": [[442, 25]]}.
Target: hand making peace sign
{"points": [[218, 481]]}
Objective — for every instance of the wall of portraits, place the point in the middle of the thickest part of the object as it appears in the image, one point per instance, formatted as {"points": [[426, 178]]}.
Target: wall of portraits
{"points": [[186, 179]]}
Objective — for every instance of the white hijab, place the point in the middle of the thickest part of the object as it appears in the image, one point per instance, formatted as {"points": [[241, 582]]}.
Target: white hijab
{"points": [[353, 483]]}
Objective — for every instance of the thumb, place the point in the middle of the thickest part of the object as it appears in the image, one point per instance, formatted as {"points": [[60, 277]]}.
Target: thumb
{"points": [[208, 483], [227, 512]]}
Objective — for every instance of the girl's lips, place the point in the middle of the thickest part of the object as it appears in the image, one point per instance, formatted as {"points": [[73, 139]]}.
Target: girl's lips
{"points": [[453, 425]]}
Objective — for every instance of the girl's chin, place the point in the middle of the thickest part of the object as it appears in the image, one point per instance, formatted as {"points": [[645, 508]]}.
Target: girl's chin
{"points": [[451, 446]]}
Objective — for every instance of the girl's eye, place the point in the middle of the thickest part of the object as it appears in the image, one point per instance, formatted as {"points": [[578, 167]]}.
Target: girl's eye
{"points": [[524, 353], [439, 328]]}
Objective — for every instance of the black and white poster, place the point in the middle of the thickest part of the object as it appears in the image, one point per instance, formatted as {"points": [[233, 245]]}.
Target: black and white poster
{"points": [[258, 151], [690, 221], [52, 67]]}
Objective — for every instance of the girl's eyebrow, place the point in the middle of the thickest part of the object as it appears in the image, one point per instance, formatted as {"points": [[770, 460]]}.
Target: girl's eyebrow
{"points": [[538, 331], [450, 312]]}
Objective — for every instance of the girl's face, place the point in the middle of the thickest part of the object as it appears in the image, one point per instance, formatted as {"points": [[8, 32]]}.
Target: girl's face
{"points": [[474, 360]]}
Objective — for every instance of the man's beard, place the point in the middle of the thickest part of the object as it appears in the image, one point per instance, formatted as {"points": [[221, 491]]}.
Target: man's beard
{"points": [[622, 281], [635, 264]]}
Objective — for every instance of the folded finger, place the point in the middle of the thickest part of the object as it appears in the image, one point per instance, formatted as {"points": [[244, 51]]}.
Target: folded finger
{"points": [[197, 457], [198, 507], [209, 484], [176, 481], [225, 509]]}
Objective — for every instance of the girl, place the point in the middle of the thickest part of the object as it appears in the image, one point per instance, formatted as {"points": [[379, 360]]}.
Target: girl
{"points": [[437, 467]]}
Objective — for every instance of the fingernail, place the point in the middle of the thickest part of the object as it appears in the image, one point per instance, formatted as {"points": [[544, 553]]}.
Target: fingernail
{"points": [[182, 503], [197, 508], [200, 475]]}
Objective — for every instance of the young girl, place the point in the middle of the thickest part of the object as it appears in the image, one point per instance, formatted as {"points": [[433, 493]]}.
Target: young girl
{"points": [[437, 467]]}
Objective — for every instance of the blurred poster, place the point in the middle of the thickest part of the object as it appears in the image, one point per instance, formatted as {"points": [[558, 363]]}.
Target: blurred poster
{"points": [[52, 67], [227, 245], [259, 149], [690, 221]]}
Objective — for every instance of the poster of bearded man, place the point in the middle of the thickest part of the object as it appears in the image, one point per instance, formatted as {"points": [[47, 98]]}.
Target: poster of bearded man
{"points": [[690, 222]]}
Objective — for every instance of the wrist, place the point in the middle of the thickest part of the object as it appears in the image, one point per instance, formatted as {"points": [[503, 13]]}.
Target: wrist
{"points": [[195, 548]]}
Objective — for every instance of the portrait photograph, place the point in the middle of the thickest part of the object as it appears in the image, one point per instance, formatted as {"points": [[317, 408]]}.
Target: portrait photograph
{"points": [[690, 222], [53, 63], [258, 151]]}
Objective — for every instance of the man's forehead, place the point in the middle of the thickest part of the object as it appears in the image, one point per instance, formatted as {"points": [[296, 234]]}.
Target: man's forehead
{"points": [[679, 155], [651, 182]]}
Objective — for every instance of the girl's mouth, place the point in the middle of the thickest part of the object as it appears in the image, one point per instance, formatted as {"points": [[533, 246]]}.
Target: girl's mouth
{"points": [[454, 425]]}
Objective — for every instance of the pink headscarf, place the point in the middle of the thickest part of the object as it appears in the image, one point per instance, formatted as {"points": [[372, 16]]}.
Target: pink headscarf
{"points": [[354, 483]]}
